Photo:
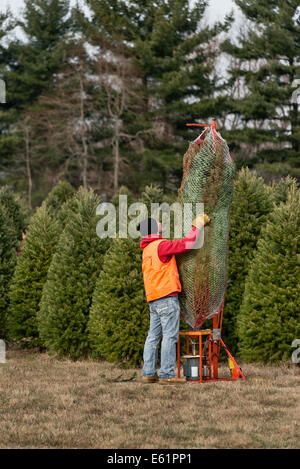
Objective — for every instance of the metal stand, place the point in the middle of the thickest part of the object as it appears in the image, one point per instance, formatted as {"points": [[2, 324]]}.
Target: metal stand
{"points": [[214, 345]]}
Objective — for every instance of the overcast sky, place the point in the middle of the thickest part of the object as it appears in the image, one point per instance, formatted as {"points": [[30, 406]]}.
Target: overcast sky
{"points": [[216, 11]]}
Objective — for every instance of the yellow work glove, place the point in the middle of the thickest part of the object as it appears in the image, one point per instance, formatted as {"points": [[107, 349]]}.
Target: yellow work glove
{"points": [[201, 220]]}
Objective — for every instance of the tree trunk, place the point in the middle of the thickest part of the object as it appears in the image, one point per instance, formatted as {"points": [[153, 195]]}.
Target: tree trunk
{"points": [[83, 137], [116, 156], [146, 95], [28, 168], [295, 127], [294, 114]]}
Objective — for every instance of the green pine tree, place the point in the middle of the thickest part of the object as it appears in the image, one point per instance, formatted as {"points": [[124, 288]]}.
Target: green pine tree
{"points": [[67, 294], [170, 47], [120, 222], [282, 188], [30, 61], [269, 318], [267, 61], [27, 212], [152, 194], [60, 193], [6, 24], [30, 276], [174, 57], [12, 224], [7, 265], [123, 190], [119, 317], [44, 231], [15, 218], [37, 56], [251, 204]]}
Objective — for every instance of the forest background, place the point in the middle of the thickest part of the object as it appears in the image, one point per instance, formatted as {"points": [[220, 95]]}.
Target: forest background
{"points": [[99, 92]]}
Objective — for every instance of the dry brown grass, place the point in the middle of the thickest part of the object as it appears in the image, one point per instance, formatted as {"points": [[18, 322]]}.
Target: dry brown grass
{"points": [[50, 403]]}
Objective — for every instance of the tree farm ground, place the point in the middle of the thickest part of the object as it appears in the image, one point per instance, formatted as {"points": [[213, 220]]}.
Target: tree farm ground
{"points": [[48, 402]]}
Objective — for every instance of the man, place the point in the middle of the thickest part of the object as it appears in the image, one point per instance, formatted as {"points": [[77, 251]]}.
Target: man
{"points": [[162, 285]]}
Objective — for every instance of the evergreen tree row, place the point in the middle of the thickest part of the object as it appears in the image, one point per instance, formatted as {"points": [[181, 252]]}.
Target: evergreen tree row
{"points": [[30, 275], [269, 319], [251, 204], [76, 294], [12, 223]]}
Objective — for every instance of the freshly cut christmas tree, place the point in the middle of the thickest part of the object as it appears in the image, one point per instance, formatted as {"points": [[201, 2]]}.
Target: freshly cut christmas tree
{"points": [[67, 294], [30, 275], [208, 170], [269, 319], [251, 204], [119, 317]]}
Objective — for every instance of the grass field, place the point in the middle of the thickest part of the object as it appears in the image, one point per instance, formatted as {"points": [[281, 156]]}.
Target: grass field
{"points": [[50, 403]]}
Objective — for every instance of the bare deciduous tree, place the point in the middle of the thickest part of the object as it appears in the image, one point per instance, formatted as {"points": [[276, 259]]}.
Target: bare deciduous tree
{"points": [[121, 93], [65, 115]]}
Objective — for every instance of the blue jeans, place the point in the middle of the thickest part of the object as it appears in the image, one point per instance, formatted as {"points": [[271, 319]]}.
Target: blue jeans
{"points": [[164, 322]]}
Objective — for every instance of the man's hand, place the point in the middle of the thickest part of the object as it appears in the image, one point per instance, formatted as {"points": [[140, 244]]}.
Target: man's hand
{"points": [[201, 220]]}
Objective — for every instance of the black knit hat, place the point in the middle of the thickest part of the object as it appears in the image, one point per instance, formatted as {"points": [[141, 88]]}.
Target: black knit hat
{"points": [[148, 226]]}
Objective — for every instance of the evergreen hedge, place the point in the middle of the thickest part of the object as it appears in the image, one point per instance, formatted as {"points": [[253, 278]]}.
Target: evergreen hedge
{"points": [[12, 223], [14, 216], [251, 204], [30, 275], [269, 319], [61, 193], [119, 317], [282, 188], [67, 294], [7, 265]]}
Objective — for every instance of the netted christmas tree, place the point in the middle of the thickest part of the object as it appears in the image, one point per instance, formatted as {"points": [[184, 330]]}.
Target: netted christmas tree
{"points": [[30, 275], [119, 317], [207, 179], [67, 294], [251, 204], [269, 319]]}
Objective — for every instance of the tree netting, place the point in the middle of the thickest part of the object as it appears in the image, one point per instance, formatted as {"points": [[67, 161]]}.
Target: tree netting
{"points": [[208, 171]]}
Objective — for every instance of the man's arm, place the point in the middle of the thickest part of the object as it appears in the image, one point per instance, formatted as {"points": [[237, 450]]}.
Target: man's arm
{"points": [[167, 249]]}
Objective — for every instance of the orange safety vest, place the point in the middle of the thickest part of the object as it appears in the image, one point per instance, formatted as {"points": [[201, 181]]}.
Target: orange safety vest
{"points": [[160, 278]]}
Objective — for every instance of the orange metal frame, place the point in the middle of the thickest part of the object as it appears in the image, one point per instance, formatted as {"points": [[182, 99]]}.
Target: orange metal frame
{"points": [[214, 347], [213, 126]]}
